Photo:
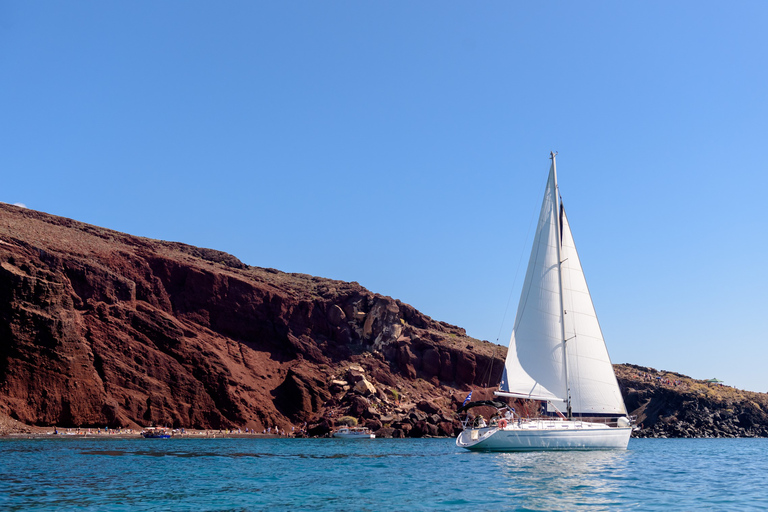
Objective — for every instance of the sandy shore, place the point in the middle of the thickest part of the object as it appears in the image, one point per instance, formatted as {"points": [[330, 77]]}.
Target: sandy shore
{"points": [[10, 428], [210, 434]]}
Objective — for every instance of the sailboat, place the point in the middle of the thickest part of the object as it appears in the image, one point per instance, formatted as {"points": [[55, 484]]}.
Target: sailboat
{"points": [[557, 355]]}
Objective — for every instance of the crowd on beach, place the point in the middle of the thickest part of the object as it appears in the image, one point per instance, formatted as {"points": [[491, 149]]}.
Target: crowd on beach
{"points": [[675, 383], [95, 431], [106, 431]]}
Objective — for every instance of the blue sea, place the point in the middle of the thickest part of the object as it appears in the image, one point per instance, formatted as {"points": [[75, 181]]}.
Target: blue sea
{"points": [[381, 474]]}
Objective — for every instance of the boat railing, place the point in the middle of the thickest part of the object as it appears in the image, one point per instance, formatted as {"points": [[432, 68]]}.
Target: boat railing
{"points": [[610, 421]]}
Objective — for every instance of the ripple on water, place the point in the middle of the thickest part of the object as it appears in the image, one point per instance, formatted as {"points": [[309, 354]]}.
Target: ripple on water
{"points": [[428, 474]]}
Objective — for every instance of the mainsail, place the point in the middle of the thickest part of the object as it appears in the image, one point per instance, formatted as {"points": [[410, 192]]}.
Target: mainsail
{"points": [[557, 347]]}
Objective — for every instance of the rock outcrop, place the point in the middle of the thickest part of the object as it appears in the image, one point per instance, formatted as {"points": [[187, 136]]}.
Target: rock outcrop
{"points": [[669, 404], [102, 328]]}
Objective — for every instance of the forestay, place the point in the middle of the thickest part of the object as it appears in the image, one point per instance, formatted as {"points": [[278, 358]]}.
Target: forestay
{"points": [[535, 361], [534, 365]]}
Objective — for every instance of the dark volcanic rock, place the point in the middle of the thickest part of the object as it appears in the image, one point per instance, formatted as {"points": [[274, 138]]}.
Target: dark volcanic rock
{"points": [[428, 407], [385, 432], [668, 404]]}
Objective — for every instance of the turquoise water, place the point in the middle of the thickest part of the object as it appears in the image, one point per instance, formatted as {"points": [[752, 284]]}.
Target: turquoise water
{"points": [[381, 474]]}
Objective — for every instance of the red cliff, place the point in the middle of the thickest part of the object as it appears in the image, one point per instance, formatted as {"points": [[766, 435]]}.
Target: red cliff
{"points": [[102, 328]]}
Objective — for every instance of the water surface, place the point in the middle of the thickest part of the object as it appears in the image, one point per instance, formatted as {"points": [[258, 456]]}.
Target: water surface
{"points": [[361, 475]]}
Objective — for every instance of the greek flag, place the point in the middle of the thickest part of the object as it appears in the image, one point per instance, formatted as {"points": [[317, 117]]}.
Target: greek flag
{"points": [[466, 400]]}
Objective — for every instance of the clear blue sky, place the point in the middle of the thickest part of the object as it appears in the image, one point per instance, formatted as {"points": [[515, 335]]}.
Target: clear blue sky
{"points": [[404, 145]]}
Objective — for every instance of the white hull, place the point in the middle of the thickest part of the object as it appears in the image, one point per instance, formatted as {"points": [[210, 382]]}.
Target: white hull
{"points": [[354, 436], [354, 433], [545, 435]]}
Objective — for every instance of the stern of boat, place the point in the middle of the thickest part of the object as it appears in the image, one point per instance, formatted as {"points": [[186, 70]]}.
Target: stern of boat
{"points": [[469, 438]]}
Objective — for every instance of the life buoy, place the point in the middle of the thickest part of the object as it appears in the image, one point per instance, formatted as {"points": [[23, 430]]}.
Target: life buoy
{"points": [[502, 423]]}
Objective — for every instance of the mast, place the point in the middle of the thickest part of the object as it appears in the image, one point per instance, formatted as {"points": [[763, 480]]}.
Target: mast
{"points": [[552, 156]]}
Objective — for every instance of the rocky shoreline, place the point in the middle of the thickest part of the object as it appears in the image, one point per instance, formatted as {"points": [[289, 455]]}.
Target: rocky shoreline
{"points": [[666, 405], [672, 405], [103, 329]]}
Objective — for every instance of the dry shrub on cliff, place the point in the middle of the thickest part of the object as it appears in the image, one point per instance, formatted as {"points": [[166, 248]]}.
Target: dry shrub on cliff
{"points": [[349, 421]]}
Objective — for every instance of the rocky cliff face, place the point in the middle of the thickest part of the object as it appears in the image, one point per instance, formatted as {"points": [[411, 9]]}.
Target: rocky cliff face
{"points": [[102, 328], [669, 404]]}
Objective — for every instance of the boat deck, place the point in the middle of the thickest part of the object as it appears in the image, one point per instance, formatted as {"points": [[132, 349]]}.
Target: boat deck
{"points": [[545, 435]]}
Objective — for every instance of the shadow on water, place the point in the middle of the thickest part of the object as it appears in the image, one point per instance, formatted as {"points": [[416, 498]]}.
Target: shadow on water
{"points": [[238, 455]]}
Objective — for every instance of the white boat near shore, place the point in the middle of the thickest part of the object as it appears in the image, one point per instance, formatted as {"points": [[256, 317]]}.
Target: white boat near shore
{"points": [[557, 355], [354, 433]]}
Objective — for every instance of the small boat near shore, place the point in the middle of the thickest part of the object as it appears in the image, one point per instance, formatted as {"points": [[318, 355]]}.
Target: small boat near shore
{"points": [[155, 433], [353, 433]]}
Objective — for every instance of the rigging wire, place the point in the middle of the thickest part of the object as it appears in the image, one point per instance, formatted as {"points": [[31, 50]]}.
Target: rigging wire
{"points": [[489, 372], [517, 270]]}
